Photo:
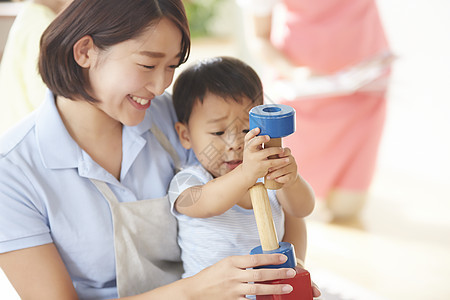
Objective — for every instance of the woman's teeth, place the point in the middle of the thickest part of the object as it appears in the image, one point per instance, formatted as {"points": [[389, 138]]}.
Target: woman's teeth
{"points": [[139, 100]]}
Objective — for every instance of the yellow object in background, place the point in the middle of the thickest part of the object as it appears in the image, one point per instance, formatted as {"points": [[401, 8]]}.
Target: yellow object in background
{"points": [[21, 87]]}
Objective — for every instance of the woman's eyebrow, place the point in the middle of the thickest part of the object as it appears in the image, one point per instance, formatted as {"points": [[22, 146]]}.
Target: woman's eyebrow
{"points": [[155, 54], [152, 54]]}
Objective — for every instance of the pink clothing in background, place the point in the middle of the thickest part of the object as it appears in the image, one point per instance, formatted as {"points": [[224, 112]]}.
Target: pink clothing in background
{"points": [[336, 141], [328, 35]]}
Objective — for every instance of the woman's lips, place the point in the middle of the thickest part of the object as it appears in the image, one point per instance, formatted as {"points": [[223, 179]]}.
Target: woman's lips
{"points": [[139, 103]]}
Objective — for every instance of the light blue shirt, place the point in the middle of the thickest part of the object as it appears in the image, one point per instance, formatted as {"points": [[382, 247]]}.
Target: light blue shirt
{"points": [[46, 195], [205, 241]]}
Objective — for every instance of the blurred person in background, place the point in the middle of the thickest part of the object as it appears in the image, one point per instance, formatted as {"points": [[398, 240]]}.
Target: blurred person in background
{"points": [[21, 87], [330, 60]]}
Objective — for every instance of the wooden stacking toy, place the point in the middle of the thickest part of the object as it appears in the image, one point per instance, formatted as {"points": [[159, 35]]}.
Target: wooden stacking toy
{"points": [[276, 121]]}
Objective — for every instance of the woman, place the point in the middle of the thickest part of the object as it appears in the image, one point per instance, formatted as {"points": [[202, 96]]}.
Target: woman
{"points": [[83, 182]]}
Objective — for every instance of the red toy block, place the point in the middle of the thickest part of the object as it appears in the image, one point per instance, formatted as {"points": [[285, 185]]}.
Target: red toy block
{"points": [[301, 284]]}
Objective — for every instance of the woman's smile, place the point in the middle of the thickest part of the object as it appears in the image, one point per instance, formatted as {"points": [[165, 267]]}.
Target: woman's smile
{"points": [[138, 102]]}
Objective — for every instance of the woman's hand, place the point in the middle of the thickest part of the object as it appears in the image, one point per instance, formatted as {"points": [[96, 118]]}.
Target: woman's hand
{"points": [[230, 278]]}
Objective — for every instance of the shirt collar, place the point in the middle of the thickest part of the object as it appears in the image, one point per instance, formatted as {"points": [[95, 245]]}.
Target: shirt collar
{"points": [[57, 148]]}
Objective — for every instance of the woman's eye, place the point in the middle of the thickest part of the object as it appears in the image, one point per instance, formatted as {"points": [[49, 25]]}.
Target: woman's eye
{"points": [[147, 67], [153, 67], [218, 133]]}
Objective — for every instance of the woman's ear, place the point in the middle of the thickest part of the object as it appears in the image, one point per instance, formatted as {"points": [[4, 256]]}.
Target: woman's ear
{"points": [[85, 52], [183, 134]]}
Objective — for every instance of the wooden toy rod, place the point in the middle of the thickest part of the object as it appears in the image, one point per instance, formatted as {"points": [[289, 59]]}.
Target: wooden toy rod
{"points": [[263, 216]]}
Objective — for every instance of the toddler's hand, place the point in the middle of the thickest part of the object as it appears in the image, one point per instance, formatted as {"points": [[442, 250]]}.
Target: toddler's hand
{"points": [[287, 173], [255, 161]]}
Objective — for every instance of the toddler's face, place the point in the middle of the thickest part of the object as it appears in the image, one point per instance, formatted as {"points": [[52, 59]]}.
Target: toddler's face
{"points": [[216, 132]]}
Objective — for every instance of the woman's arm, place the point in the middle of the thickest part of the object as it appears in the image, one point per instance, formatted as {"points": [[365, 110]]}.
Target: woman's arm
{"points": [[260, 44], [228, 280], [260, 30], [38, 273]]}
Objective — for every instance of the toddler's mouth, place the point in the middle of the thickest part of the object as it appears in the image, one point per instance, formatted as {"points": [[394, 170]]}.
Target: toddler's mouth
{"points": [[233, 164]]}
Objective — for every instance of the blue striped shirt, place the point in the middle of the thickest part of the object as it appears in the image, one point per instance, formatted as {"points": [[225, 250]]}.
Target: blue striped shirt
{"points": [[205, 241]]}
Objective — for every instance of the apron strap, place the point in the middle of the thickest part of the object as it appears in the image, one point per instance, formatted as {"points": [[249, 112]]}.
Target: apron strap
{"points": [[138, 268], [167, 145], [105, 190]]}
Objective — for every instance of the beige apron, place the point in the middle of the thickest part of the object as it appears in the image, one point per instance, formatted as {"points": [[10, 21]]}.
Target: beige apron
{"points": [[145, 237]]}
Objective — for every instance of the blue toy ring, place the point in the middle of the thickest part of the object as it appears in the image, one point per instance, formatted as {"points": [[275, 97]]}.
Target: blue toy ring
{"points": [[286, 249], [274, 120]]}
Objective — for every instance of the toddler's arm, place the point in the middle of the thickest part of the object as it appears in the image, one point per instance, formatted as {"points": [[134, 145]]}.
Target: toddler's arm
{"points": [[296, 196], [221, 193]]}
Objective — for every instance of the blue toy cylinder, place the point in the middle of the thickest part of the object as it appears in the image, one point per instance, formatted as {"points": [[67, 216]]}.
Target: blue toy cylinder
{"points": [[274, 120], [286, 249]]}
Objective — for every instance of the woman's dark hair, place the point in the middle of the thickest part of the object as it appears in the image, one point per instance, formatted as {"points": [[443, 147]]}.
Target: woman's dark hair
{"points": [[222, 76], [108, 22]]}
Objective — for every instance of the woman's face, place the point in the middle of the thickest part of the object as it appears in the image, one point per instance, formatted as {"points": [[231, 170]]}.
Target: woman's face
{"points": [[127, 76]]}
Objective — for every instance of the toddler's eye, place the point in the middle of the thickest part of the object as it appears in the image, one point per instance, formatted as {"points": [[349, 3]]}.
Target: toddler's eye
{"points": [[218, 133], [246, 131]]}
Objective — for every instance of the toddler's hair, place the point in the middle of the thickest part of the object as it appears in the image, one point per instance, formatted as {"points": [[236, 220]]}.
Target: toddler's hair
{"points": [[226, 77]]}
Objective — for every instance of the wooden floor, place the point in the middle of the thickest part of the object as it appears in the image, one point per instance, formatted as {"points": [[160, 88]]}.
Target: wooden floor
{"points": [[393, 252]]}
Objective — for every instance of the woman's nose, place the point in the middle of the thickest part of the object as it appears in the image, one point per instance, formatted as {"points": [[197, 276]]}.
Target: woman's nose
{"points": [[157, 87], [159, 84]]}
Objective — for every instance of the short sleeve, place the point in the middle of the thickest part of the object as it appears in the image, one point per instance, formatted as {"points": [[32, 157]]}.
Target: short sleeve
{"points": [[23, 222], [258, 7], [185, 179]]}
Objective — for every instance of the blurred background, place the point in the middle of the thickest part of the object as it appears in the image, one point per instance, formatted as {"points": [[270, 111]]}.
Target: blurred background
{"points": [[400, 247]]}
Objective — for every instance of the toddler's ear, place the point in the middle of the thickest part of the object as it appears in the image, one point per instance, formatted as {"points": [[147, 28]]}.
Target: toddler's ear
{"points": [[183, 134]]}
